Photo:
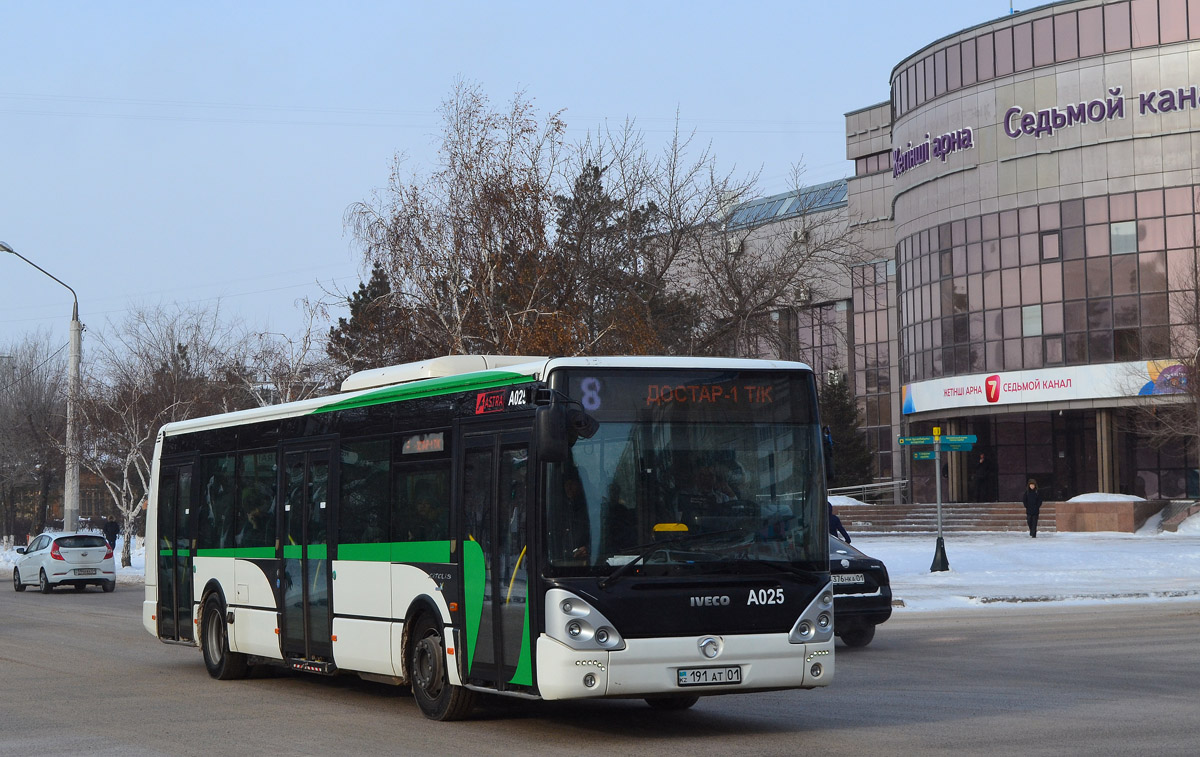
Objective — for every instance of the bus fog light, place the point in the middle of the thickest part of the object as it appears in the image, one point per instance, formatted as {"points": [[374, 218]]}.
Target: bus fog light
{"points": [[806, 629], [574, 629], [816, 670], [589, 680], [602, 636], [823, 620]]}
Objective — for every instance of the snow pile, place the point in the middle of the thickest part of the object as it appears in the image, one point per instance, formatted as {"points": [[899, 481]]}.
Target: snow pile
{"points": [[1106, 497]]}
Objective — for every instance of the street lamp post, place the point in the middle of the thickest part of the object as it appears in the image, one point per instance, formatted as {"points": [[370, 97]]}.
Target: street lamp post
{"points": [[71, 476]]}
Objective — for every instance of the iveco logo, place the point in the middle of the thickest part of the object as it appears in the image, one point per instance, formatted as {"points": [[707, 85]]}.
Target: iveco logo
{"points": [[710, 601], [709, 647]]}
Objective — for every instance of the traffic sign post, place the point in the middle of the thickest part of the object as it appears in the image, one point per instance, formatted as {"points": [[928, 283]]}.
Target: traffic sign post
{"points": [[958, 443], [940, 563]]}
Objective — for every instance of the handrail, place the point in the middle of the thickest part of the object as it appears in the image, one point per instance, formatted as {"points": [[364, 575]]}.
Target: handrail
{"points": [[890, 492]]}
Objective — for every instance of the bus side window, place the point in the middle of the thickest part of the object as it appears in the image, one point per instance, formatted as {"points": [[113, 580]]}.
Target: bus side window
{"points": [[422, 505], [216, 502], [366, 468], [257, 480]]}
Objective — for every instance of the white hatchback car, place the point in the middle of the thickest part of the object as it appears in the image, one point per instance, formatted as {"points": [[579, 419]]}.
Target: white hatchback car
{"points": [[56, 559]]}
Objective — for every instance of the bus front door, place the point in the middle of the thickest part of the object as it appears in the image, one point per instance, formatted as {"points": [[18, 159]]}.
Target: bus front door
{"points": [[305, 630], [175, 553], [496, 483]]}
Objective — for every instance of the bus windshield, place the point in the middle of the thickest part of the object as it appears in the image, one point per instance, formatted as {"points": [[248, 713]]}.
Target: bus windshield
{"points": [[690, 472]]}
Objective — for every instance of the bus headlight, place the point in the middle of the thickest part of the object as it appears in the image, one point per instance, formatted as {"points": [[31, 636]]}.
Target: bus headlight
{"points": [[577, 624], [815, 624]]}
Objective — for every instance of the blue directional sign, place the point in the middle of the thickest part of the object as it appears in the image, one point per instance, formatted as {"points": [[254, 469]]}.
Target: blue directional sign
{"points": [[964, 439], [923, 455], [916, 440], [957, 447]]}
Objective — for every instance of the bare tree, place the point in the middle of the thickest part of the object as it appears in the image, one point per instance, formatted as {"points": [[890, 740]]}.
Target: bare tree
{"points": [[276, 367], [465, 249], [156, 366], [33, 419], [746, 270]]}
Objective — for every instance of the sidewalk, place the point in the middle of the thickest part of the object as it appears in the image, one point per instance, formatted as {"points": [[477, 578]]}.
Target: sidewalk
{"points": [[998, 569]]}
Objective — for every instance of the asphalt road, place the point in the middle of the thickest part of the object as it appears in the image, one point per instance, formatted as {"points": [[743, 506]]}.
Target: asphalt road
{"points": [[81, 677]]}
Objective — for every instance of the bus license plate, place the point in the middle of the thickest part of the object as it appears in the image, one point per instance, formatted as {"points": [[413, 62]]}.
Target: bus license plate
{"points": [[848, 578], [85, 571], [709, 676]]}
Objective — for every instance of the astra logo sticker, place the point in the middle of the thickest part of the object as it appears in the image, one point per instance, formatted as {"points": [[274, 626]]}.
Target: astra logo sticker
{"points": [[490, 402], [991, 388]]}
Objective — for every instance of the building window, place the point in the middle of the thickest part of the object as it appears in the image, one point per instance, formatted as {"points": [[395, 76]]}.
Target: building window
{"points": [[1031, 320], [1123, 237]]}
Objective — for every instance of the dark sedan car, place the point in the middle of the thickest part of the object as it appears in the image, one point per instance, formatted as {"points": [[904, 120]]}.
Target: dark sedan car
{"points": [[862, 595]]}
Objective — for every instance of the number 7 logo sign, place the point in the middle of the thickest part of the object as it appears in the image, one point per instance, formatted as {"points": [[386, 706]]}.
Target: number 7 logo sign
{"points": [[991, 388]]}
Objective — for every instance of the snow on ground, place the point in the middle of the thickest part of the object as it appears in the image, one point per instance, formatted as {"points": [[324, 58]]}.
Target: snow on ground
{"points": [[994, 569]]}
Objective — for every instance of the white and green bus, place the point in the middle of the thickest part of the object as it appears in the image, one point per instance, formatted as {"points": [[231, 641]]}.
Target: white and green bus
{"points": [[548, 528]]}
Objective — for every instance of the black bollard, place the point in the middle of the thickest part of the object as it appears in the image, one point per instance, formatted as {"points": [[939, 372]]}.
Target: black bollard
{"points": [[940, 562]]}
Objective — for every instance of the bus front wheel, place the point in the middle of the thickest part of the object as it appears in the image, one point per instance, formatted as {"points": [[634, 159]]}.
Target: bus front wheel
{"points": [[214, 641], [435, 695]]}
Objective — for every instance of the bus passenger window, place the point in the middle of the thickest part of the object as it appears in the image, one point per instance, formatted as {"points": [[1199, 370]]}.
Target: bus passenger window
{"points": [[366, 468], [217, 502], [256, 508], [422, 511]]}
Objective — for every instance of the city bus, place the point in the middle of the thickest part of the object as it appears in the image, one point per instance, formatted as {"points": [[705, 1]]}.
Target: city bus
{"points": [[542, 528]]}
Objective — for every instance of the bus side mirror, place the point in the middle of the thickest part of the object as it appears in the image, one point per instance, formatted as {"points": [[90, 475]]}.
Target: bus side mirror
{"points": [[550, 424]]}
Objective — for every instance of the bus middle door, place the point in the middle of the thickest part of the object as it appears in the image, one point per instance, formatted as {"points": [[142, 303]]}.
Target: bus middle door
{"points": [[304, 591]]}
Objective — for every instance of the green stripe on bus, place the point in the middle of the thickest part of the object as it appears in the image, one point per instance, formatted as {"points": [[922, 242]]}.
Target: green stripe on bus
{"points": [[474, 578], [291, 552], [245, 553], [412, 551], [174, 553], [524, 672], [428, 388]]}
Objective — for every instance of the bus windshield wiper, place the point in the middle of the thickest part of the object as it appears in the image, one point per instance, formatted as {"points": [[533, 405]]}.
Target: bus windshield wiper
{"points": [[649, 549]]}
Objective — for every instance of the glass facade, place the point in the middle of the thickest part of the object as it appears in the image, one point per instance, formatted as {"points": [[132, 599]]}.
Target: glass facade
{"points": [[1059, 38], [873, 289], [1095, 280]]}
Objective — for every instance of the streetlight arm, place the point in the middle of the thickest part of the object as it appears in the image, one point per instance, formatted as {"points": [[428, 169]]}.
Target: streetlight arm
{"points": [[75, 313]]}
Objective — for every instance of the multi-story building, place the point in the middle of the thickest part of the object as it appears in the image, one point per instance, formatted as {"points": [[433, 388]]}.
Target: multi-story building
{"points": [[1031, 190]]}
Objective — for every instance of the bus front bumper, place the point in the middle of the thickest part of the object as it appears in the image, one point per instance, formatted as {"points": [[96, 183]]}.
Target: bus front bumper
{"points": [[652, 667]]}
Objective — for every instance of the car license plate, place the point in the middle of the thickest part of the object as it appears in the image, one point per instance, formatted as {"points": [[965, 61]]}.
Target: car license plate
{"points": [[709, 676], [85, 571], [848, 578]]}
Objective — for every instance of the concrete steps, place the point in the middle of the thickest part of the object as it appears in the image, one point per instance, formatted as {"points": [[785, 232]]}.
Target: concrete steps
{"points": [[956, 517]]}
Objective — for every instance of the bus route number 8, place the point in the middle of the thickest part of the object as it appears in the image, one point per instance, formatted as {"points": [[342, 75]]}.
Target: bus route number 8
{"points": [[590, 387]]}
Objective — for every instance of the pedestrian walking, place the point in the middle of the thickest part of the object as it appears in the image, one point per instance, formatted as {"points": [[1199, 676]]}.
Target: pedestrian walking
{"points": [[1033, 505], [835, 526], [110, 532]]}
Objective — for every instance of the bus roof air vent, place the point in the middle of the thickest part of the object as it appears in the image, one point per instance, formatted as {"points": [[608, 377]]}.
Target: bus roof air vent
{"points": [[438, 367]]}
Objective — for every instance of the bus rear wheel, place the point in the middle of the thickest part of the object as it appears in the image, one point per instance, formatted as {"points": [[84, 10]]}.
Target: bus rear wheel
{"points": [[435, 695], [214, 641]]}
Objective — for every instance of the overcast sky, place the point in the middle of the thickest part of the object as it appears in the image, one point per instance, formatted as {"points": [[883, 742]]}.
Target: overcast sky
{"points": [[161, 152]]}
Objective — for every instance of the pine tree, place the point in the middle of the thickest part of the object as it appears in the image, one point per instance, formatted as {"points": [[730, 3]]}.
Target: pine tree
{"points": [[378, 332], [853, 462]]}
